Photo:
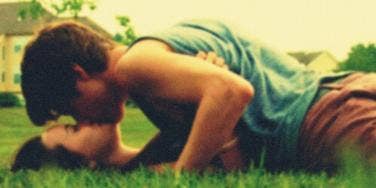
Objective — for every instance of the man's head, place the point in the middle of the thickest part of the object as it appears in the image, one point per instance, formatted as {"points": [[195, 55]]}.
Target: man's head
{"points": [[53, 63], [68, 146]]}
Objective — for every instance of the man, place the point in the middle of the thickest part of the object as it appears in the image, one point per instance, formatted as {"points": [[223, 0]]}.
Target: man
{"points": [[69, 69], [100, 146]]}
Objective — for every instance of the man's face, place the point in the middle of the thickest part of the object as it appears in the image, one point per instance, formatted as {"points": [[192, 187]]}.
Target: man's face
{"points": [[98, 102]]}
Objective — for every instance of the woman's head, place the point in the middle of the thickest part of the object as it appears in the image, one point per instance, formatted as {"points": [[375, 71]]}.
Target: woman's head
{"points": [[68, 146], [48, 75], [33, 154]]}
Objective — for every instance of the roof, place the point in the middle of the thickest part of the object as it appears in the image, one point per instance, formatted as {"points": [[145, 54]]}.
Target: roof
{"points": [[11, 25], [305, 57]]}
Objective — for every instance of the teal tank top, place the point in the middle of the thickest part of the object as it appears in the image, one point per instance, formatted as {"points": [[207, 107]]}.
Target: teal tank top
{"points": [[284, 88]]}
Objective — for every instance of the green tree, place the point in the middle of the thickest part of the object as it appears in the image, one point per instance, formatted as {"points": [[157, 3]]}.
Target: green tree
{"points": [[70, 7], [127, 34], [360, 58], [36, 8]]}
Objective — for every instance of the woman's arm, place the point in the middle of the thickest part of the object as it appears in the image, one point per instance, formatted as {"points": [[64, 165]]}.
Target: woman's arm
{"points": [[229, 156], [156, 151], [222, 96]]}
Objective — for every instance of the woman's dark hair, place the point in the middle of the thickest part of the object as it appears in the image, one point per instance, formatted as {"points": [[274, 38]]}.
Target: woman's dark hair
{"points": [[33, 154], [48, 81]]}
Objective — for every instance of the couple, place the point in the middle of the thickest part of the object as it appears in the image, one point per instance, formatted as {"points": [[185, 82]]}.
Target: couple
{"points": [[218, 96]]}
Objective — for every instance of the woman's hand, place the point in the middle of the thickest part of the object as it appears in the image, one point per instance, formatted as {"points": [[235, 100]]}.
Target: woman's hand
{"points": [[212, 58]]}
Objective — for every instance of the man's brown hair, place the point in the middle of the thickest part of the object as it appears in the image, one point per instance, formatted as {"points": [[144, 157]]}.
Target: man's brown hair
{"points": [[48, 81]]}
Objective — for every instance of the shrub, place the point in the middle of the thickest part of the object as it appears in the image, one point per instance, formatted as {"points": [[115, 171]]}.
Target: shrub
{"points": [[361, 58], [8, 99]]}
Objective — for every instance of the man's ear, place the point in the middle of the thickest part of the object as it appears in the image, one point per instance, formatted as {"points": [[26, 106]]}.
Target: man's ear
{"points": [[82, 74]]}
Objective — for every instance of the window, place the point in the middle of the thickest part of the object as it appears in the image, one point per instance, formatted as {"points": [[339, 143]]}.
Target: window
{"points": [[17, 48], [3, 52], [17, 78], [2, 73], [2, 76]]}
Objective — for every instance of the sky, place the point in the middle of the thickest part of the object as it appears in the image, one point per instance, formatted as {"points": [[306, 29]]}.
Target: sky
{"points": [[289, 25]]}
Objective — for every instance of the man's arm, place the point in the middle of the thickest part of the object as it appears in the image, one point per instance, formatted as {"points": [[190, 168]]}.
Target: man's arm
{"points": [[159, 149], [220, 94]]}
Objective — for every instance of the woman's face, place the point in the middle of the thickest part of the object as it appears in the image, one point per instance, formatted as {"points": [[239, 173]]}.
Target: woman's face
{"points": [[90, 141]]}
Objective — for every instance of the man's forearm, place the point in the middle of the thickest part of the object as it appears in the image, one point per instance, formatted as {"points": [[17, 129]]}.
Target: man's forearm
{"points": [[218, 113]]}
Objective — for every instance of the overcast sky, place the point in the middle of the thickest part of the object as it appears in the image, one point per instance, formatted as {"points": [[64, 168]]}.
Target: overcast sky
{"points": [[290, 25]]}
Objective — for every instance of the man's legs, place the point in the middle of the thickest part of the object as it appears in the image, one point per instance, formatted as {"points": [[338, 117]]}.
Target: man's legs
{"points": [[344, 118]]}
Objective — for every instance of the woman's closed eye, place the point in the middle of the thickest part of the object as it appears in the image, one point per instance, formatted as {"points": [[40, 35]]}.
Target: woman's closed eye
{"points": [[71, 128]]}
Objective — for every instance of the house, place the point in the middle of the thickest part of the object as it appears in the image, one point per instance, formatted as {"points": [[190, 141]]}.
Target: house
{"points": [[321, 61], [14, 35]]}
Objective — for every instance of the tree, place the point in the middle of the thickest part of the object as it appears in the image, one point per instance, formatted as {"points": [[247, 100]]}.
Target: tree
{"points": [[127, 35], [36, 8], [71, 7], [361, 58]]}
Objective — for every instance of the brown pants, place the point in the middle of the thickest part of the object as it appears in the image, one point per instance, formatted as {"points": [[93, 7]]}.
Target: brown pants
{"points": [[343, 118]]}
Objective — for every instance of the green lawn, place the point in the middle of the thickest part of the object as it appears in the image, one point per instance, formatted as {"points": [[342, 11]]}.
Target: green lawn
{"points": [[15, 128]]}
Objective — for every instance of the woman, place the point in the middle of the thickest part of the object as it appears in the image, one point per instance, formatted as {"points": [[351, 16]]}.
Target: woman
{"points": [[100, 146]]}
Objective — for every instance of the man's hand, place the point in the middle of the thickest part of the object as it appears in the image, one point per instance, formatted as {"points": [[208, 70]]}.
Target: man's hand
{"points": [[231, 156], [212, 58]]}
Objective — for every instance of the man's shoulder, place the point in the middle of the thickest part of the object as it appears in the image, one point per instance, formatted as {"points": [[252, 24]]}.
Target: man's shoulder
{"points": [[212, 25], [203, 22]]}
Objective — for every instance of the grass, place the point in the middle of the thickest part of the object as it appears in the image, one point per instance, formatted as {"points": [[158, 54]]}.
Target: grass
{"points": [[16, 128]]}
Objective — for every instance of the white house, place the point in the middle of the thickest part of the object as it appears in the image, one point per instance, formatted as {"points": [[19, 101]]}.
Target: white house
{"points": [[322, 61], [14, 35]]}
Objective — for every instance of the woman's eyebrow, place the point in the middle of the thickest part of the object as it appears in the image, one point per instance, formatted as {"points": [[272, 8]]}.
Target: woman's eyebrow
{"points": [[51, 127], [68, 128], [73, 128]]}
